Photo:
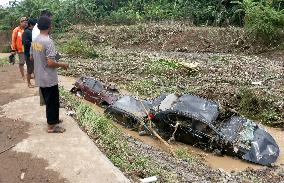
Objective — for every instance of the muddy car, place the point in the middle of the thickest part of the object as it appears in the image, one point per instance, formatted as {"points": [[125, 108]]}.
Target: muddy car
{"points": [[194, 120], [95, 91], [129, 111]]}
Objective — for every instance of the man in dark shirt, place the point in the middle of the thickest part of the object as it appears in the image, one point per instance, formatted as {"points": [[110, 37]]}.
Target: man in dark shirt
{"points": [[27, 40]]}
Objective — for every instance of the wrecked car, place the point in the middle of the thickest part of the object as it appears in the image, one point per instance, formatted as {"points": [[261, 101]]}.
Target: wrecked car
{"points": [[95, 91], [129, 111], [194, 120]]}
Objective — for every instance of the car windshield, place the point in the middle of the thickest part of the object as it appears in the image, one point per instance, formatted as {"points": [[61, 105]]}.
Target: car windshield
{"points": [[90, 83], [98, 87]]}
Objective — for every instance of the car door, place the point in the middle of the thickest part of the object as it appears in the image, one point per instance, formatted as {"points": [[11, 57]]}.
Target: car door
{"points": [[97, 92], [190, 130]]}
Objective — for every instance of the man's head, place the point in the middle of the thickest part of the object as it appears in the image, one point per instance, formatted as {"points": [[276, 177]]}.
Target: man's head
{"points": [[23, 22], [31, 23], [44, 23], [46, 13]]}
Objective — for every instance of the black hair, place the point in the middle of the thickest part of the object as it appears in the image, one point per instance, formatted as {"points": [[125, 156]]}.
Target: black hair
{"points": [[46, 13], [32, 21], [44, 23]]}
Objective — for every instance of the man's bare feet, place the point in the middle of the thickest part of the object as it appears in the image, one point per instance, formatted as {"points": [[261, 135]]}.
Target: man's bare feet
{"points": [[30, 85]]}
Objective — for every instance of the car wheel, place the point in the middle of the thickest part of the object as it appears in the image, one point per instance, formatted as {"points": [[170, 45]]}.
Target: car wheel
{"points": [[79, 94]]}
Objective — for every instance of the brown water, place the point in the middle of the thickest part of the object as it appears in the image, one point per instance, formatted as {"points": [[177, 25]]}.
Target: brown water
{"points": [[226, 163]]}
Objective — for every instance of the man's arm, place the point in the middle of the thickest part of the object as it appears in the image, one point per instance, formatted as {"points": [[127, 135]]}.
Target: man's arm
{"points": [[53, 64], [14, 39], [50, 55]]}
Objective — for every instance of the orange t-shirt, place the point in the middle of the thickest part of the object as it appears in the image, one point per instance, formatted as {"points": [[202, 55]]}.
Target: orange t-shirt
{"points": [[17, 40]]}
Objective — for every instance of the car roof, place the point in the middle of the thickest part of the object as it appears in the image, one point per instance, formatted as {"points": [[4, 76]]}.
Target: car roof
{"points": [[192, 106]]}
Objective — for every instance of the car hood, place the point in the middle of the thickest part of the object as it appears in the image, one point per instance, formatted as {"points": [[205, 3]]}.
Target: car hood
{"points": [[264, 149], [132, 106], [250, 141]]}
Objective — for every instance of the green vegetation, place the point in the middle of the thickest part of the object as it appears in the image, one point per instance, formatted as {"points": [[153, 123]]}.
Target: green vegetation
{"points": [[259, 17], [263, 22], [257, 107], [163, 66], [80, 48], [222, 59], [3, 62], [6, 49], [106, 135], [183, 154]]}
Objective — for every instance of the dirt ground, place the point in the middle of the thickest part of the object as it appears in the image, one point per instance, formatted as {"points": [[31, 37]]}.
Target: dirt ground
{"points": [[18, 167]]}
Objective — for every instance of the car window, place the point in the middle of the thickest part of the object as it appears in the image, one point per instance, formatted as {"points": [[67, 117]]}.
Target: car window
{"points": [[90, 83], [98, 87], [203, 127], [195, 125]]}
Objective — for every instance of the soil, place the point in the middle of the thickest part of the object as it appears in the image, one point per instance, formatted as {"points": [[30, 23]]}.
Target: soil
{"points": [[5, 39], [18, 167]]}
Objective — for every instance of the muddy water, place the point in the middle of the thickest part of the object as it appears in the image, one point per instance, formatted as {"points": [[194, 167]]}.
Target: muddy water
{"points": [[226, 163], [217, 162]]}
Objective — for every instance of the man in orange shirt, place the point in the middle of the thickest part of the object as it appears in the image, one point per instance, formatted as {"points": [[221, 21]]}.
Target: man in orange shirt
{"points": [[17, 45]]}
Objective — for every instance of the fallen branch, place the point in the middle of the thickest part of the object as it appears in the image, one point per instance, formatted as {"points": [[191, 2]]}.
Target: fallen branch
{"points": [[7, 149], [154, 132]]}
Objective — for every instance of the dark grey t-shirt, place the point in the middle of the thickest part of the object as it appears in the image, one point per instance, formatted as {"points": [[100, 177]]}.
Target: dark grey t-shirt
{"points": [[43, 48]]}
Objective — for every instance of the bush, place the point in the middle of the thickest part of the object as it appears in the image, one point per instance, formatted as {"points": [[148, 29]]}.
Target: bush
{"points": [[77, 47], [264, 23], [126, 16], [258, 107]]}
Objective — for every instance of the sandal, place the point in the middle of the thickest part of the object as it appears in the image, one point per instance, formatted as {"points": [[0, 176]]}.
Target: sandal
{"points": [[57, 129]]}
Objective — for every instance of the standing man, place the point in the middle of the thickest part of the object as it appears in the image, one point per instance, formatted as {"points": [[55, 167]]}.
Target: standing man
{"points": [[45, 68], [27, 41], [17, 45], [35, 33]]}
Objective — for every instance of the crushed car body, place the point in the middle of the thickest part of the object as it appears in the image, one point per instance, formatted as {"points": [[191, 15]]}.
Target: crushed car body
{"points": [[194, 120], [95, 91]]}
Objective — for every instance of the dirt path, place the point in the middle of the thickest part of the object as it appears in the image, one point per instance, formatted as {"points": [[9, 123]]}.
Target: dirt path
{"points": [[15, 166], [36, 156]]}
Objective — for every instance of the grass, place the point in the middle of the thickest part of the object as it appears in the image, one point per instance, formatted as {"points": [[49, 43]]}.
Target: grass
{"points": [[220, 59], [183, 154], [257, 107], [3, 62], [107, 136], [6, 49], [80, 48], [143, 87], [168, 67]]}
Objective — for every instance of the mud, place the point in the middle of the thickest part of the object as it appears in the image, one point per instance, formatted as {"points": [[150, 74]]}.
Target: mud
{"points": [[226, 163]]}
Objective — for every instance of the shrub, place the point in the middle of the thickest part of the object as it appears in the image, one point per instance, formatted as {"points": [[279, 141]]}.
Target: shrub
{"points": [[263, 22], [77, 47]]}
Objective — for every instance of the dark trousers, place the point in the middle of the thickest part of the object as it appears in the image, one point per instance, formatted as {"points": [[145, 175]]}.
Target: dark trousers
{"points": [[51, 99]]}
